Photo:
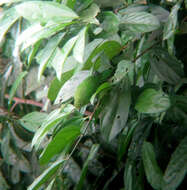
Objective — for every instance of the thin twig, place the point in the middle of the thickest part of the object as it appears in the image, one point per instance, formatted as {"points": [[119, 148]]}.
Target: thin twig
{"points": [[145, 51], [81, 136]]}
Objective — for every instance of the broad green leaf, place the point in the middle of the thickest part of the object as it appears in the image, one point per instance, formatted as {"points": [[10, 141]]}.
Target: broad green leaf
{"points": [[91, 155], [46, 175], [152, 101], [78, 50], [61, 56], [100, 89], [124, 68], [56, 85], [16, 85], [153, 172], [140, 134], [45, 54], [53, 118], [166, 67], [128, 176], [177, 167], [68, 89], [140, 22], [133, 8], [7, 20], [90, 13], [36, 32], [64, 137], [33, 120], [124, 140], [109, 48], [110, 23], [115, 113], [83, 4], [35, 11], [171, 26]]}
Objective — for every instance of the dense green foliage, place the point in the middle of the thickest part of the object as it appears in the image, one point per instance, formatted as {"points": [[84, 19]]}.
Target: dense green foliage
{"points": [[93, 94]]}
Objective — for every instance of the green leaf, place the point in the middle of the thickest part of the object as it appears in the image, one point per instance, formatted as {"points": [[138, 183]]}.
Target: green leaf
{"points": [[91, 155], [36, 32], [177, 167], [61, 56], [108, 47], [3, 183], [152, 101], [153, 172], [67, 92], [8, 18], [110, 23], [45, 54], [46, 175], [115, 113], [35, 11], [166, 67], [125, 139], [56, 85], [90, 13], [53, 118], [78, 50], [64, 137], [16, 85], [33, 120], [71, 3], [50, 186], [140, 22], [171, 26]]}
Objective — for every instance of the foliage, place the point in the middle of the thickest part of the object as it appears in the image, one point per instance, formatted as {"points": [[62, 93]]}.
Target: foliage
{"points": [[93, 94]]}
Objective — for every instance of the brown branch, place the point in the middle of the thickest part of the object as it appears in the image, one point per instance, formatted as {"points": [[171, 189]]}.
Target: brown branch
{"points": [[24, 101], [145, 51]]}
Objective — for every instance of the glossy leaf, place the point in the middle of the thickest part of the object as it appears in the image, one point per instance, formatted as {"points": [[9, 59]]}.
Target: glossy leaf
{"points": [[33, 120], [166, 67], [177, 167], [46, 175], [115, 113], [61, 56], [109, 48], [153, 172], [171, 26], [16, 85], [7, 20], [47, 52], [52, 119], [56, 85], [36, 32], [35, 11], [91, 155], [152, 101], [78, 50], [64, 137], [67, 92], [140, 22]]}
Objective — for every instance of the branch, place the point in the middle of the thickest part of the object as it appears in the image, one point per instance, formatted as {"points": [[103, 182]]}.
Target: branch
{"points": [[24, 101]]}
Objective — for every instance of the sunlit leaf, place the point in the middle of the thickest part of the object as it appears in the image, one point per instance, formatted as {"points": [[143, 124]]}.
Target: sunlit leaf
{"points": [[140, 22], [152, 101], [78, 50], [61, 56], [7, 20], [46, 175], [36, 11], [63, 138]]}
